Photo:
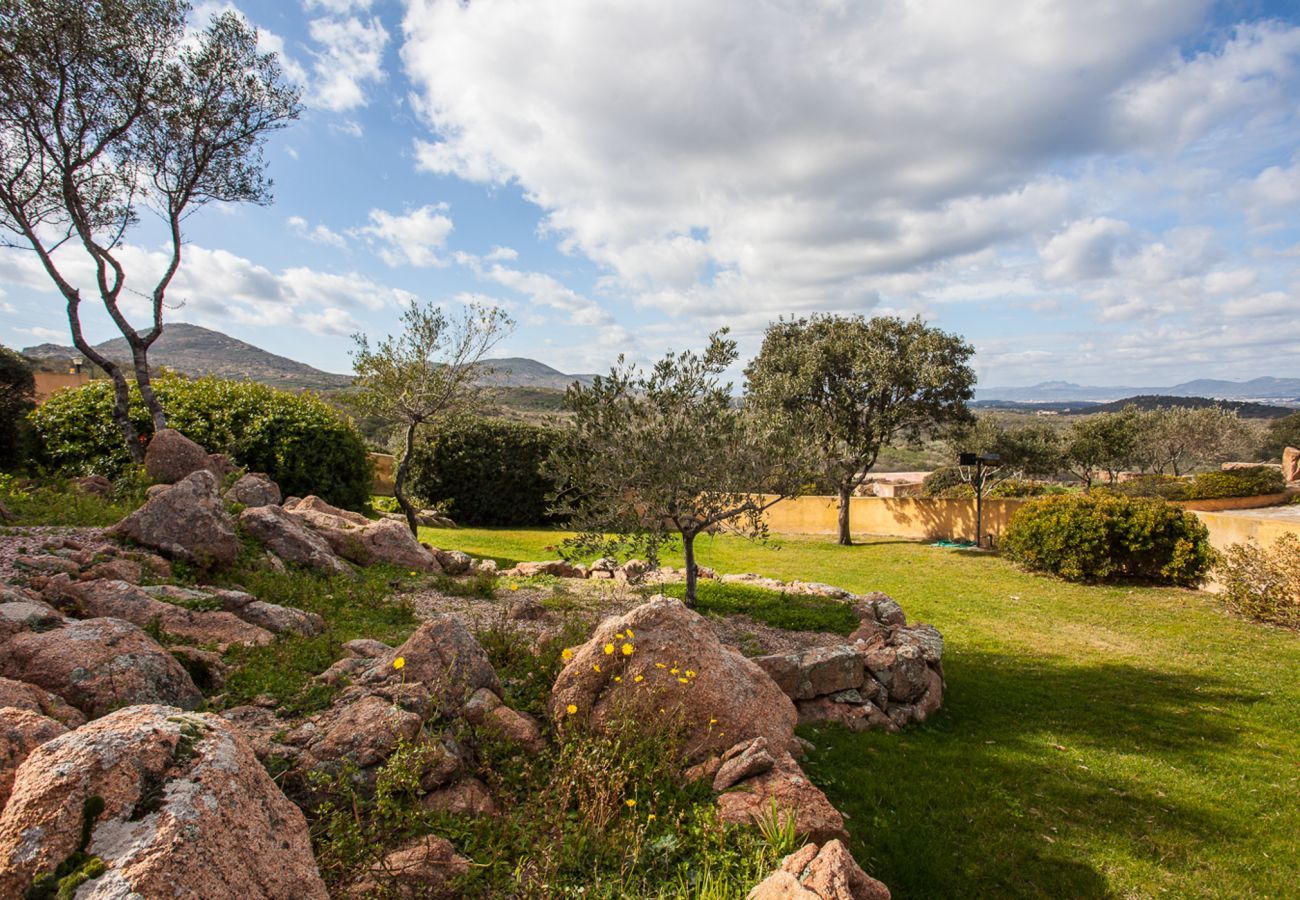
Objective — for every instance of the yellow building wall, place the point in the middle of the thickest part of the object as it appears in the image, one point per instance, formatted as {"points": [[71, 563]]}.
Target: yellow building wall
{"points": [[920, 518], [384, 468], [49, 383]]}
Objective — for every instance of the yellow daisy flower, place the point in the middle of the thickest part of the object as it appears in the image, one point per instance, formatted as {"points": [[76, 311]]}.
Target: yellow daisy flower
{"points": [[571, 709], [609, 649], [630, 803], [639, 679], [627, 649], [399, 662], [566, 654]]}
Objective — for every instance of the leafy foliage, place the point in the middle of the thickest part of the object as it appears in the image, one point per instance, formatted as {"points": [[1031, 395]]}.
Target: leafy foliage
{"points": [[664, 453], [1281, 434], [1178, 439], [1103, 443], [17, 399], [109, 105], [1024, 451], [427, 375], [1263, 582], [297, 439], [851, 385], [1253, 481], [53, 501], [1101, 537], [487, 471]]}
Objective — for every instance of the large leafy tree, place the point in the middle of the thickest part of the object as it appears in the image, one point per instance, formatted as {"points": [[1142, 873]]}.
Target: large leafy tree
{"points": [[428, 375], [1179, 438], [666, 454], [855, 384], [109, 108], [1030, 450]]}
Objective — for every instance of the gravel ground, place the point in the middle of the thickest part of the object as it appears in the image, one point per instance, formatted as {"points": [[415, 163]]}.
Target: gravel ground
{"points": [[17, 541], [592, 601]]}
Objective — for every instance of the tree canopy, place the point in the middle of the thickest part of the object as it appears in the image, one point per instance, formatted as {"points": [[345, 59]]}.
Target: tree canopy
{"points": [[666, 454], [855, 384], [109, 108]]}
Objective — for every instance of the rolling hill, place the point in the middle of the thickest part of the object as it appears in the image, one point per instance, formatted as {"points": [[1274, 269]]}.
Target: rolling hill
{"points": [[194, 350], [1259, 390]]}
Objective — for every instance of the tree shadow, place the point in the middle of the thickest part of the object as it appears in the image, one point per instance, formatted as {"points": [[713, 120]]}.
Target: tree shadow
{"points": [[1028, 760]]}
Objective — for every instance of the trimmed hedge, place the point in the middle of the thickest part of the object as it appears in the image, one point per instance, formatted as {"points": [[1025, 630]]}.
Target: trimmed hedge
{"points": [[1252, 481], [486, 472], [303, 443], [1104, 537]]}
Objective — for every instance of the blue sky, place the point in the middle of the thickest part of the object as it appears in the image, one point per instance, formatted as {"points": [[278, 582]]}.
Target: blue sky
{"points": [[1100, 192]]}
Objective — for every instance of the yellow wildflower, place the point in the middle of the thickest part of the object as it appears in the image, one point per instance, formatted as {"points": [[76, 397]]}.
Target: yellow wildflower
{"points": [[514, 587], [618, 678], [630, 803], [638, 679], [673, 671], [415, 573], [650, 818], [566, 654], [609, 649], [690, 673], [684, 680], [571, 709], [627, 649], [629, 633], [595, 667], [619, 636], [660, 666], [399, 662], [713, 721]]}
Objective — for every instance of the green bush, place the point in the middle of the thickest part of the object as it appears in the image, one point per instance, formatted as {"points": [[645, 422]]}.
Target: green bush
{"points": [[1263, 584], [17, 393], [1251, 482], [1103, 536], [1020, 487], [946, 482], [297, 439], [486, 472], [1165, 487]]}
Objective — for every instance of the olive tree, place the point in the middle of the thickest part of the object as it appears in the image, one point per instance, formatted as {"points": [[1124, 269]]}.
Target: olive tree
{"points": [[1024, 451], [109, 108], [666, 454], [1180, 438], [854, 385], [1102, 443], [429, 374]]}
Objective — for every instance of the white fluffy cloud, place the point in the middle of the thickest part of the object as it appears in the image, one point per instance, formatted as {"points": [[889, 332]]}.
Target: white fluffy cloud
{"points": [[351, 55], [414, 238], [728, 162]]}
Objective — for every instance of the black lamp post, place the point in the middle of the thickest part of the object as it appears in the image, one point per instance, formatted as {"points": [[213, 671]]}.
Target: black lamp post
{"points": [[979, 461]]}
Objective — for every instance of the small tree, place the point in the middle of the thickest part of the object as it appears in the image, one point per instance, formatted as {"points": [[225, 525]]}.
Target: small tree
{"points": [[853, 385], [108, 106], [1179, 438], [665, 454], [1104, 442], [427, 375], [1280, 434]]}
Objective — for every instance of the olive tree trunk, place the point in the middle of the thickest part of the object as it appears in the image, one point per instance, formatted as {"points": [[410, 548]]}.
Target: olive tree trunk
{"points": [[399, 482], [846, 538]]}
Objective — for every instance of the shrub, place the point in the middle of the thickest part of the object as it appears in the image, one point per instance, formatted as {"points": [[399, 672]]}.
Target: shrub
{"points": [[1263, 584], [1250, 482], [17, 393], [946, 482], [1165, 487], [305, 445], [1103, 536], [486, 472], [1020, 487]]}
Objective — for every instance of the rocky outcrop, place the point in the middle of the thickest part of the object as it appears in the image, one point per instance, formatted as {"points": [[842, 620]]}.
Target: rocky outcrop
{"points": [[1291, 464], [254, 489], [170, 803], [786, 787], [670, 666], [360, 540], [21, 695], [19, 613], [891, 674], [172, 456], [290, 540], [557, 568], [92, 486], [21, 732], [828, 872], [187, 521], [98, 665], [117, 599], [442, 657], [425, 867]]}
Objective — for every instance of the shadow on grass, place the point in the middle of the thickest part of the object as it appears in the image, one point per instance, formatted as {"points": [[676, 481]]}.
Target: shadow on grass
{"points": [[1034, 770]]}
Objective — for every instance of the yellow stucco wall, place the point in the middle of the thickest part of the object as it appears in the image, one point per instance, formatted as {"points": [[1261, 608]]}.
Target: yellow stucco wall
{"points": [[921, 518], [1226, 530], [384, 468]]}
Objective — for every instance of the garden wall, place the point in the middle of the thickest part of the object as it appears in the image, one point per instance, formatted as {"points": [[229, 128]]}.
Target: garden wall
{"points": [[385, 468], [912, 517]]}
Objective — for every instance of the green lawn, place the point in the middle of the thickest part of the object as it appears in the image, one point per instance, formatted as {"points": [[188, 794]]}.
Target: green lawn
{"points": [[1095, 741]]}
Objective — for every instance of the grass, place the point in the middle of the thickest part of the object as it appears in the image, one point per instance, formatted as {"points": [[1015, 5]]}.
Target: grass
{"points": [[1095, 741], [793, 612], [351, 608]]}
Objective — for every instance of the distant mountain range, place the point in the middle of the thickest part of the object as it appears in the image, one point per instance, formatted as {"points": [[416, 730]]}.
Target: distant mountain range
{"points": [[194, 350], [517, 371], [1259, 390]]}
